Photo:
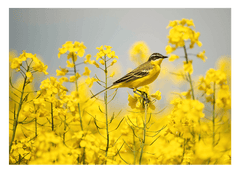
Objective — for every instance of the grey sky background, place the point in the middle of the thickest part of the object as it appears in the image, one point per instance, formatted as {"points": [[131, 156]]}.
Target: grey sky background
{"points": [[43, 31]]}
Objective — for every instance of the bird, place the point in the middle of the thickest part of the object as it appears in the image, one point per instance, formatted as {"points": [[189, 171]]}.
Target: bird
{"points": [[143, 75]]}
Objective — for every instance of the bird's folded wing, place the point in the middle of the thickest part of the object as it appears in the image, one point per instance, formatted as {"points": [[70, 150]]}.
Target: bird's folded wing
{"points": [[139, 72]]}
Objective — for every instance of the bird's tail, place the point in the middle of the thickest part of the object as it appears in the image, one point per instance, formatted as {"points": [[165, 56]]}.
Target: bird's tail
{"points": [[102, 91]]}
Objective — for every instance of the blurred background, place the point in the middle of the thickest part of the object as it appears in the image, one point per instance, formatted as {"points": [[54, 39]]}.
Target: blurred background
{"points": [[43, 31]]}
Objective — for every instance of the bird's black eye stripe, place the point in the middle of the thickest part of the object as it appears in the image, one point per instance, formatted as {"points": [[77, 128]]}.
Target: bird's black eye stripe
{"points": [[156, 56]]}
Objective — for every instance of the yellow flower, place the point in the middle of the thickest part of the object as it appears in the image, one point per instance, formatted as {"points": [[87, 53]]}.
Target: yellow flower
{"points": [[69, 64], [194, 39], [173, 23], [112, 55], [62, 72], [83, 143], [113, 62], [152, 106], [224, 64], [107, 51], [30, 76], [72, 55], [204, 150], [80, 48], [197, 105], [63, 79], [108, 47], [176, 101], [99, 55], [202, 56], [180, 32], [39, 66], [188, 67], [16, 63], [187, 94], [102, 62], [88, 59], [96, 64], [90, 81], [169, 49], [62, 50], [99, 48], [45, 84], [76, 49], [139, 52], [87, 71], [224, 97], [221, 77], [157, 95], [74, 78], [112, 74], [132, 101], [190, 22], [173, 57]]}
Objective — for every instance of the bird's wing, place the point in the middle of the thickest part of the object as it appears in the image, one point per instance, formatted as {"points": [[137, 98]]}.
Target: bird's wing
{"points": [[139, 72]]}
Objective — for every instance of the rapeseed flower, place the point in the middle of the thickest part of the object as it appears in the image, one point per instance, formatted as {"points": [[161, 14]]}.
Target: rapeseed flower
{"points": [[202, 55], [76, 49], [62, 72], [188, 66], [87, 71], [139, 52]]}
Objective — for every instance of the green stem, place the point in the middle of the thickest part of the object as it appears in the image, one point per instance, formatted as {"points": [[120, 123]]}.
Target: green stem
{"points": [[35, 127], [64, 133], [106, 106], [213, 120], [79, 110], [76, 84], [144, 133], [16, 117], [189, 76], [134, 149], [184, 148], [52, 116]]}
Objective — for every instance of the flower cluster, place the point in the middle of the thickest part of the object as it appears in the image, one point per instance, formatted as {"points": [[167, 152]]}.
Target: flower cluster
{"points": [[136, 101], [92, 145], [103, 56], [49, 149], [75, 49], [216, 80], [139, 52], [22, 150], [180, 32], [36, 64], [184, 116], [105, 51]]}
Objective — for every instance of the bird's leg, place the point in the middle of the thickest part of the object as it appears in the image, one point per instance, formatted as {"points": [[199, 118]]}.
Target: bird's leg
{"points": [[143, 94]]}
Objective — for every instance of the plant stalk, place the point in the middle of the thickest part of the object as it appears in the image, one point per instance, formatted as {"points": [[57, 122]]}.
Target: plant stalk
{"points": [[35, 127], [189, 76], [76, 85], [213, 120], [52, 116], [106, 106], [144, 133], [16, 117]]}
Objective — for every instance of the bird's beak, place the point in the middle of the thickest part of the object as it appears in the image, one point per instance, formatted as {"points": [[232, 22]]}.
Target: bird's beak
{"points": [[165, 56]]}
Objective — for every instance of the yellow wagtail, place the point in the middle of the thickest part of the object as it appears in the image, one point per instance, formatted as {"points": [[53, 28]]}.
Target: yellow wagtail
{"points": [[144, 74]]}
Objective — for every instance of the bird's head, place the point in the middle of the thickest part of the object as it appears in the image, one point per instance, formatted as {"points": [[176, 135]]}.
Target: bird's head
{"points": [[156, 58]]}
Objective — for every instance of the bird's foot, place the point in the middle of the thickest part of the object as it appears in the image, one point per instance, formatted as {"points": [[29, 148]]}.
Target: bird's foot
{"points": [[143, 94]]}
